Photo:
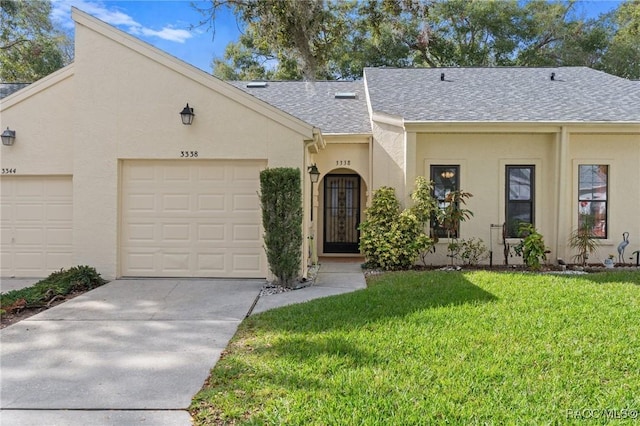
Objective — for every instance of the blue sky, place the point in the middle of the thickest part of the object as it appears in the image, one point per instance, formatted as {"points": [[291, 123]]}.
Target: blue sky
{"points": [[166, 24]]}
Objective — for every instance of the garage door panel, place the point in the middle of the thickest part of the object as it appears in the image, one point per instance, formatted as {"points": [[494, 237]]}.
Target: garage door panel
{"points": [[247, 262], [211, 202], [58, 237], [58, 212], [246, 203], [139, 232], [29, 237], [205, 214], [176, 203], [174, 232], [29, 212], [140, 203], [246, 233], [211, 233], [37, 213]]}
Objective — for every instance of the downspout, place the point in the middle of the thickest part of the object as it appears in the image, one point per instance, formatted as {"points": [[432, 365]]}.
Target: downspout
{"points": [[561, 199], [370, 188]]}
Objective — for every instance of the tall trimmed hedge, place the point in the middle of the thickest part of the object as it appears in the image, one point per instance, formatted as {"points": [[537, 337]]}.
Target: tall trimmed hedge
{"points": [[281, 199]]}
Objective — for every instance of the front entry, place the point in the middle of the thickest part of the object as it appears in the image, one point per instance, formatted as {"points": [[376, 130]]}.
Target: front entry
{"points": [[341, 214]]}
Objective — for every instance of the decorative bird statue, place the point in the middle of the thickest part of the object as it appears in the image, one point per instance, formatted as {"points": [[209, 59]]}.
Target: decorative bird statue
{"points": [[622, 246]]}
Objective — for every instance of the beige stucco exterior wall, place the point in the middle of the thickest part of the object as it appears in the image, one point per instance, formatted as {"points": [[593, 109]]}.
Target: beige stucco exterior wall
{"points": [[41, 115], [388, 155], [484, 150], [482, 158], [127, 107]]}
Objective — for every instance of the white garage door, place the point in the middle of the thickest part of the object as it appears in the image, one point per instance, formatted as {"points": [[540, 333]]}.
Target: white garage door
{"points": [[191, 218], [35, 225]]}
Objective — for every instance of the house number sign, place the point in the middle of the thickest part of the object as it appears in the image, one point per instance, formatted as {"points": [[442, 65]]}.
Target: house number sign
{"points": [[8, 171], [188, 154], [343, 162]]}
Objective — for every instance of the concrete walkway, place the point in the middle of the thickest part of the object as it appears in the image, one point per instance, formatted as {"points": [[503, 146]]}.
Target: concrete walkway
{"points": [[134, 351], [335, 276]]}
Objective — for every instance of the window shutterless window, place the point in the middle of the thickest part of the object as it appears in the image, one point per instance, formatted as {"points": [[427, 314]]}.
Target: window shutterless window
{"points": [[593, 185], [445, 180], [520, 190]]}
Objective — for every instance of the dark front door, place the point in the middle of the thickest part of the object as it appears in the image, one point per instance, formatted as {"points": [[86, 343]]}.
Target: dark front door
{"points": [[341, 213]]}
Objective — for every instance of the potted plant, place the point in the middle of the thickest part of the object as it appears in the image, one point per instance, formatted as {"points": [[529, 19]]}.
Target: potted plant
{"points": [[608, 262]]}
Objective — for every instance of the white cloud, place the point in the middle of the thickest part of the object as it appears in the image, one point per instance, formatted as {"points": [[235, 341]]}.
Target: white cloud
{"points": [[61, 13]]}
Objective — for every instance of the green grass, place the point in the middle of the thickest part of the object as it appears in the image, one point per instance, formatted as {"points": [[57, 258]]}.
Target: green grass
{"points": [[435, 348]]}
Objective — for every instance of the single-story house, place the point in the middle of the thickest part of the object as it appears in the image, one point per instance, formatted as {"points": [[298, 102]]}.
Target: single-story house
{"points": [[102, 171]]}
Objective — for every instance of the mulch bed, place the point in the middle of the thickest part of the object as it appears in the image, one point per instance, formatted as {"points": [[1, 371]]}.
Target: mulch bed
{"points": [[17, 315]]}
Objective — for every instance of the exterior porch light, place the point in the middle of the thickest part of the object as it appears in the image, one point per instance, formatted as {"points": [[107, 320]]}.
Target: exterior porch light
{"points": [[187, 115], [314, 175], [8, 137]]}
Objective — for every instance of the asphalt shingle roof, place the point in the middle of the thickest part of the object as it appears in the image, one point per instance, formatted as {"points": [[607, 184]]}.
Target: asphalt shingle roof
{"points": [[503, 94], [315, 103]]}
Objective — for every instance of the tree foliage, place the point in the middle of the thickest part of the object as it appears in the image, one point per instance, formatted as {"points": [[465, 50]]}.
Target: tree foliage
{"points": [[30, 45], [321, 39]]}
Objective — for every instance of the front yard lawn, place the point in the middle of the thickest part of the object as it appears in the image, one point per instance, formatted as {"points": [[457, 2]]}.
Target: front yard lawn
{"points": [[439, 347]]}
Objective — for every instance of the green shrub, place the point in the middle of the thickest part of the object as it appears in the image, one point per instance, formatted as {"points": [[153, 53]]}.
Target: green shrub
{"points": [[391, 239], [532, 247], [583, 240], [471, 251], [59, 283], [281, 200]]}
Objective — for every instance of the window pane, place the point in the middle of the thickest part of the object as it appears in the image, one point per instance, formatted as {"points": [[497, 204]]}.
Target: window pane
{"points": [[445, 180], [519, 184], [593, 182], [519, 203], [519, 213], [592, 198]]}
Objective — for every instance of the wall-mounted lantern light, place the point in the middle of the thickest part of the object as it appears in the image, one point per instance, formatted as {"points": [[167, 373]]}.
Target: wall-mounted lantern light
{"points": [[8, 137], [314, 175], [187, 115], [447, 174]]}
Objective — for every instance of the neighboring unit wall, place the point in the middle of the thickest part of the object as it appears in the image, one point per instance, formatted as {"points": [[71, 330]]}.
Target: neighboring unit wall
{"points": [[36, 196], [41, 114], [619, 149]]}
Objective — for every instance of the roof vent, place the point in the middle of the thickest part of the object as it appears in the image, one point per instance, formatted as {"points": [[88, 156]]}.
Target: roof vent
{"points": [[345, 95], [441, 76], [255, 84], [553, 76]]}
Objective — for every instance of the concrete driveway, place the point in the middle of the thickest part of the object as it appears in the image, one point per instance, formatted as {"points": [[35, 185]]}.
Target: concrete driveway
{"points": [[130, 352]]}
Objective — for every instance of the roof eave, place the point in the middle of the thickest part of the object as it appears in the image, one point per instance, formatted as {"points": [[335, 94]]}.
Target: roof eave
{"points": [[526, 126]]}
